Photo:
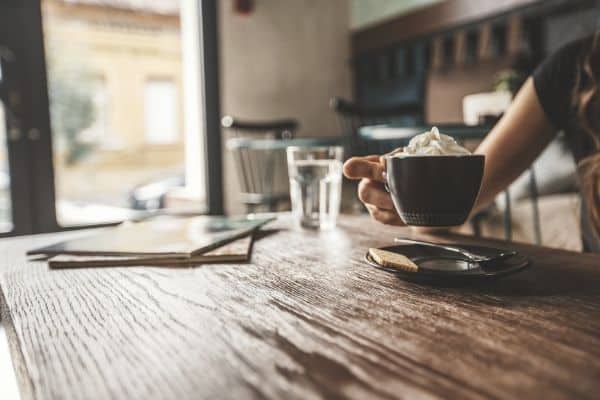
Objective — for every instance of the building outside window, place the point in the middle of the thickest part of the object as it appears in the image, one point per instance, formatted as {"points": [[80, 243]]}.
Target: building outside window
{"points": [[115, 73], [161, 112]]}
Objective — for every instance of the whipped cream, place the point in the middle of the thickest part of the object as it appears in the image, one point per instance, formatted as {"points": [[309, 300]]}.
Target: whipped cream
{"points": [[433, 143]]}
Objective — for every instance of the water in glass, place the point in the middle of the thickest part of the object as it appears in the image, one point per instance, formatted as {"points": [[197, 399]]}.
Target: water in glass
{"points": [[315, 189]]}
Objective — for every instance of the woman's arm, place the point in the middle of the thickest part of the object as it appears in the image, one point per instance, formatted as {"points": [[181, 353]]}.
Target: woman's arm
{"points": [[509, 149], [513, 144]]}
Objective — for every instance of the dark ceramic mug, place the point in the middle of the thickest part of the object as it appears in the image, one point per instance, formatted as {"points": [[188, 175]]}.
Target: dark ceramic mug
{"points": [[434, 190]]}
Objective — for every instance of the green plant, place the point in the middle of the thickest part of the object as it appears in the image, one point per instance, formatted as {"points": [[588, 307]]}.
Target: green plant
{"points": [[509, 80], [71, 104]]}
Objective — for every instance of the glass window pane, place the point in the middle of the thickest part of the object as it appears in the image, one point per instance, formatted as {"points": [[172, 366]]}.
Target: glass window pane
{"points": [[115, 73]]}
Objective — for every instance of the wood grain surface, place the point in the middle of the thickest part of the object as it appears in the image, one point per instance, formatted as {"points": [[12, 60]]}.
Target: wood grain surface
{"points": [[306, 319]]}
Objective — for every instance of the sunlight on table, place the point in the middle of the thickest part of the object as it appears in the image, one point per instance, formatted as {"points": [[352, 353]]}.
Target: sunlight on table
{"points": [[8, 380]]}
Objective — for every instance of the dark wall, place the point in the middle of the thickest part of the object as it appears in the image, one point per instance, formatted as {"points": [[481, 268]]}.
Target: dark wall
{"points": [[562, 28]]}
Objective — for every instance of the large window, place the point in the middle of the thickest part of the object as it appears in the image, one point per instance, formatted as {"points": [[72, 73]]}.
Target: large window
{"points": [[161, 112], [95, 120], [118, 64]]}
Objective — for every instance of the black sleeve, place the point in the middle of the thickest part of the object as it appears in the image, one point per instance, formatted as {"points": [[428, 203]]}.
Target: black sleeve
{"points": [[554, 81]]}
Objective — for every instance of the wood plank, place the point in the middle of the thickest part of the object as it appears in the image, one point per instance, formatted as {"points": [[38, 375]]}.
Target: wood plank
{"points": [[307, 318]]}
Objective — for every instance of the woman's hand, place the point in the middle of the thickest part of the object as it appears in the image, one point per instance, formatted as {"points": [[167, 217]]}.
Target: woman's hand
{"points": [[371, 191]]}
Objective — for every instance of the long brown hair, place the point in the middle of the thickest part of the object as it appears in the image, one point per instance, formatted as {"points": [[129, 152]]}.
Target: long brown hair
{"points": [[587, 102]]}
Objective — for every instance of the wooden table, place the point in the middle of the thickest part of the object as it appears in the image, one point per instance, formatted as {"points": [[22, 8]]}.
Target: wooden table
{"points": [[307, 318]]}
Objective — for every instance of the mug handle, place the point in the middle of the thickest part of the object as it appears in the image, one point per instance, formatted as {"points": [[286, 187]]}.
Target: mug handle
{"points": [[385, 184], [384, 173]]}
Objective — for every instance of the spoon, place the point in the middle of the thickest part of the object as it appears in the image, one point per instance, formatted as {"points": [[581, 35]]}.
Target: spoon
{"points": [[472, 257]]}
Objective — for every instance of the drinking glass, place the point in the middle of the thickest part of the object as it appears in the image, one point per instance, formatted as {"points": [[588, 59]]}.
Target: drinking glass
{"points": [[315, 184]]}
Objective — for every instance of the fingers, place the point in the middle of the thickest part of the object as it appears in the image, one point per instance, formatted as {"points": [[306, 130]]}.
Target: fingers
{"points": [[378, 202], [371, 192], [384, 216], [370, 171], [364, 167]]}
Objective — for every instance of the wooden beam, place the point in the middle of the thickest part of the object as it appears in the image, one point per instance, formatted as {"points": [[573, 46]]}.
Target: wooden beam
{"points": [[438, 17]]}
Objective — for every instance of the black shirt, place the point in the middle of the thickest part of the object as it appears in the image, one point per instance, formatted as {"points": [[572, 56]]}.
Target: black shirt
{"points": [[554, 82]]}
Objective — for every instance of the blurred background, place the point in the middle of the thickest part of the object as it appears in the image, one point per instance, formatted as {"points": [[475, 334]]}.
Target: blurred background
{"points": [[115, 108]]}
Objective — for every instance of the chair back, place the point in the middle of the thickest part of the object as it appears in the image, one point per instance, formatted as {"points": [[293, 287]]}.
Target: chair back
{"points": [[276, 129], [260, 162], [351, 117]]}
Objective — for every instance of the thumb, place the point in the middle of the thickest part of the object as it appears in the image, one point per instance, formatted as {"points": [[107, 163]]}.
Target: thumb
{"points": [[364, 167]]}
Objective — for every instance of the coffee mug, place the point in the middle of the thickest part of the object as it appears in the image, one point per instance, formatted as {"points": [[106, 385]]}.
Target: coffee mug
{"points": [[434, 190]]}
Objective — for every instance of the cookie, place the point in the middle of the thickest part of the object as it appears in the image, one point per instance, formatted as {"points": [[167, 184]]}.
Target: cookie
{"points": [[393, 260]]}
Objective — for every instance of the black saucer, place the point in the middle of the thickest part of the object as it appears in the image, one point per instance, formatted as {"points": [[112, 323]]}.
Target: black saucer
{"points": [[445, 267]]}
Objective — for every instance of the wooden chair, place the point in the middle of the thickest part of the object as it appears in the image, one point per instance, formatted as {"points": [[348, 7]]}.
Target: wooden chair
{"points": [[261, 169]]}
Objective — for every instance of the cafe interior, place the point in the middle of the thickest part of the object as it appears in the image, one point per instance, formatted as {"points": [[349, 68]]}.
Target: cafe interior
{"points": [[122, 110]]}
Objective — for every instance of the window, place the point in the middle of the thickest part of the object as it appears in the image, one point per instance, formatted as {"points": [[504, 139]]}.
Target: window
{"points": [[93, 165], [401, 62], [410, 61], [161, 112], [448, 51], [499, 40], [472, 46], [128, 134]]}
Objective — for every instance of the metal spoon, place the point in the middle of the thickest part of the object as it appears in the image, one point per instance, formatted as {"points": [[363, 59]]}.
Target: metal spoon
{"points": [[472, 257]]}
